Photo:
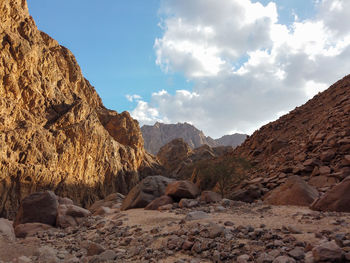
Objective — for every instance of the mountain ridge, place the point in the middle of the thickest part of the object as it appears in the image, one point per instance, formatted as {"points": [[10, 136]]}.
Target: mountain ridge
{"points": [[159, 134]]}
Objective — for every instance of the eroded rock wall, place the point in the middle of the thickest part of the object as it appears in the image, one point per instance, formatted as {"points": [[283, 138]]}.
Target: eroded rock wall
{"points": [[55, 132]]}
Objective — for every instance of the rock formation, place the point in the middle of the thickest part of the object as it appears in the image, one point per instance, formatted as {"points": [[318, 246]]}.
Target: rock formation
{"points": [[160, 134], [178, 159], [55, 132], [312, 141]]}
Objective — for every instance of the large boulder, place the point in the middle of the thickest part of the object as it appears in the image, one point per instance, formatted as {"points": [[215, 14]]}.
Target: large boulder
{"points": [[6, 229], [145, 192], [182, 189], [295, 191], [247, 194], [158, 202], [210, 197], [336, 199], [327, 252], [40, 207], [70, 215]]}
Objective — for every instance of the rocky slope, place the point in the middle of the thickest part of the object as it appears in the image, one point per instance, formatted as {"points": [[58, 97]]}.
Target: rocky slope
{"points": [[160, 134], [312, 141], [55, 132], [233, 140]]}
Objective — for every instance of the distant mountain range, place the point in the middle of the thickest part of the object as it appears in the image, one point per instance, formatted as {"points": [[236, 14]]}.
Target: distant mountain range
{"points": [[160, 134]]}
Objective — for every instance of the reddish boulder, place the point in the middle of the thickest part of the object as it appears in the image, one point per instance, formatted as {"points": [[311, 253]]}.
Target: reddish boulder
{"points": [[182, 189], [295, 191], [145, 192], [160, 201], [40, 207], [210, 197], [337, 199]]}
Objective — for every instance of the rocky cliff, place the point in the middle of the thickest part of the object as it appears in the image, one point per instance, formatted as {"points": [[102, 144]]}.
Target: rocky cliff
{"points": [[312, 141], [160, 134], [55, 132]]}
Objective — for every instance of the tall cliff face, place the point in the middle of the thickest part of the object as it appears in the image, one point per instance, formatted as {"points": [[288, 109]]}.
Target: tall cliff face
{"points": [[312, 141], [55, 132]]}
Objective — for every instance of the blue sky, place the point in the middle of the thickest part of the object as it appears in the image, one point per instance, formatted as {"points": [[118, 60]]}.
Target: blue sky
{"points": [[223, 65], [113, 43]]}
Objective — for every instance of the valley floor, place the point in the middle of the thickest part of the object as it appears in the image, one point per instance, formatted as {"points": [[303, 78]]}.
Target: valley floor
{"points": [[225, 232]]}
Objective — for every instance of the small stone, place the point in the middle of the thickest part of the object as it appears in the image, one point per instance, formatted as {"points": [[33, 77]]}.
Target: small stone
{"points": [[94, 249], [229, 223], [297, 253], [264, 258], [243, 258], [196, 215], [284, 259], [107, 255]]}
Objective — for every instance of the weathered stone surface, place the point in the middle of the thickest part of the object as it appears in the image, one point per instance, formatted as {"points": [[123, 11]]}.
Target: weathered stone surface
{"points": [[40, 207], [160, 201], [210, 197], [196, 215], [188, 203], [145, 192], [70, 215], [30, 229], [182, 189], [295, 191], [55, 132], [336, 199], [327, 252], [6, 229]]}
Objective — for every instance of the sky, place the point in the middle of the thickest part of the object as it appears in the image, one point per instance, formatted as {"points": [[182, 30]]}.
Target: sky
{"points": [[225, 66]]}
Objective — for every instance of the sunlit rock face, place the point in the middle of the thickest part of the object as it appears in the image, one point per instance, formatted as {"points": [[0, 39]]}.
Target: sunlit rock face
{"points": [[55, 132]]}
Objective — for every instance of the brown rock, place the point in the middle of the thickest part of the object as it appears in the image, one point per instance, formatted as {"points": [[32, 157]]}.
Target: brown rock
{"points": [[56, 133], [160, 201], [294, 192], [327, 252], [145, 192], [323, 181], [38, 207], [188, 203], [94, 249], [30, 229], [210, 197], [182, 189], [336, 199], [325, 170]]}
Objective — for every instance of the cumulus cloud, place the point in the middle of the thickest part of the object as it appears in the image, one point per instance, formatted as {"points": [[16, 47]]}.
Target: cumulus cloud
{"points": [[246, 67]]}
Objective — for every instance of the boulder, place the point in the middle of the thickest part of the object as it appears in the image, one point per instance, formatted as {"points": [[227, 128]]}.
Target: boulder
{"points": [[30, 229], [145, 192], [327, 252], [247, 194], [6, 229], [336, 199], [188, 203], [196, 215], [182, 189], [111, 201], [295, 191], [210, 197], [70, 215], [158, 202], [40, 207]]}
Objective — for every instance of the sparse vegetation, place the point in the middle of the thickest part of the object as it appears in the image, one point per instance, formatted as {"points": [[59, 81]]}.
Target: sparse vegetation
{"points": [[220, 174]]}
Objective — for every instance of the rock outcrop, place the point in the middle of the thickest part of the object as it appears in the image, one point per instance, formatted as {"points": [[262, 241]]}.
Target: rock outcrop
{"points": [[160, 134], [312, 141], [178, 159], [55, 132]]}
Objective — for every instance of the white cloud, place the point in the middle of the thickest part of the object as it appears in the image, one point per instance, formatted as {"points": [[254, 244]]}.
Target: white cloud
{"points": [[285, 65], [132, 98]]}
